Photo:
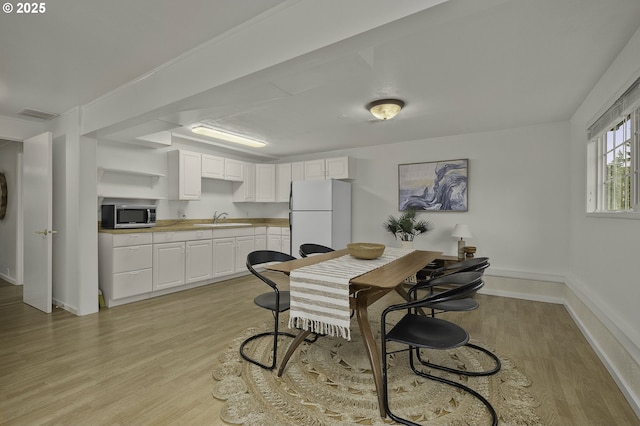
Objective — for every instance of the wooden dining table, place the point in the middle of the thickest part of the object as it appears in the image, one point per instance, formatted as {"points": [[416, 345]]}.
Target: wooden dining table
{"points": [[364, 289]]}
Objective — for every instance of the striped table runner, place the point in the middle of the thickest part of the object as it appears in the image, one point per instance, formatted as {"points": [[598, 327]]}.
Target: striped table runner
{"points": [[320, 292]]}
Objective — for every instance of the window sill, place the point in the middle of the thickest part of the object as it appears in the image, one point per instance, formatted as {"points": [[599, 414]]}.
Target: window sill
{"points": [[615, 215]]}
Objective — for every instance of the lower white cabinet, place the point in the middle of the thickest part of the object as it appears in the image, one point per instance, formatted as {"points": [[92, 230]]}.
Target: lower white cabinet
{"points": [[230, 250], [279, 239], [260, 241], [286, 241], [244, 246], [198, 261], [168, 265], [223, 256], [125, 266], [133, 266]]}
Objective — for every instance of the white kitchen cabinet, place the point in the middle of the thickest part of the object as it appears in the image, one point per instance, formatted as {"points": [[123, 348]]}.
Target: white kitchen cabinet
{"points": [[279, 239], [233, 170], [340, 168], [283, 182], [314, 170], [230, 250], [168, 265], [125, 265], [214, 167], [223, 256], [274, 238], [171, 257], [286, 242], [330, 168], [137, 266], [245, 191], [297, 171], [244, 246], [198, 261], [260, 238], [185, 174], [265, 183]]}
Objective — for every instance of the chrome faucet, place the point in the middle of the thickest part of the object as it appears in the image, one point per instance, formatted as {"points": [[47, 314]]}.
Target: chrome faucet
{"points": [[217, 217]]}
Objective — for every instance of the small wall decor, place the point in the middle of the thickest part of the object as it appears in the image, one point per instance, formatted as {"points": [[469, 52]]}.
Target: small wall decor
{"points": [[435, 185], [3, 195]]}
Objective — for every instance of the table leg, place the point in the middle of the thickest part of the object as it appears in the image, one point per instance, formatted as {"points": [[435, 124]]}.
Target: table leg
{"points": [[402, 292], [370, 345], [292, 348]]}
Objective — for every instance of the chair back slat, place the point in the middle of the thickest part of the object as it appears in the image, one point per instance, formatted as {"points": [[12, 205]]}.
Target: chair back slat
{"points": [[260, 257], [311, 248], [464, 284]]}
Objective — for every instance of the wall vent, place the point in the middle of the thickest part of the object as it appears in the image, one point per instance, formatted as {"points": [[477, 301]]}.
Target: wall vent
{"points": [[34, 113]]}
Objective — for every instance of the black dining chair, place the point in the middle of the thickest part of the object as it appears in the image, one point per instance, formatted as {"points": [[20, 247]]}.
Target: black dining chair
{"points": [[275, 300], [478, 264], [461, 304], [310, 248], [425, 332]]}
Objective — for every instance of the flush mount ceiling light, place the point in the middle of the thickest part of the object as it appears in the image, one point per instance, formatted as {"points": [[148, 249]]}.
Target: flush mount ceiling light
{"points": [[229, 137], [384, 109]]}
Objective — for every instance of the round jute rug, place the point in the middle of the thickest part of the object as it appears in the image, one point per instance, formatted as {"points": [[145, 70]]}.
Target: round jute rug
{"points": [[329, 382]]}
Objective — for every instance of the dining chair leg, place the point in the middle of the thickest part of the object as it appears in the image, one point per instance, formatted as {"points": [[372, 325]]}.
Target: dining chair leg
{"points": [[494, 370], [487, 404], [275, 333]]}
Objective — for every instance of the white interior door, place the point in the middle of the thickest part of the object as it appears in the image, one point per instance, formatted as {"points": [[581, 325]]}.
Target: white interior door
{"points": [[37, 208]]}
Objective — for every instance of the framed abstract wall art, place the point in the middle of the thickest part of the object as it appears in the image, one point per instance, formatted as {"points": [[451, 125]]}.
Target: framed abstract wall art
{"points": [[433, 186]]}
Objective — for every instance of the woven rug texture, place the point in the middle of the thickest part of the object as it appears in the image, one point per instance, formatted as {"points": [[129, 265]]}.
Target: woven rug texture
{"points": [[329, 382]]}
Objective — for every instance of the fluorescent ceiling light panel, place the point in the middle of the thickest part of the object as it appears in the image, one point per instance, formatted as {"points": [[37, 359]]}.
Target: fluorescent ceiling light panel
{"points": [[229, 137]]}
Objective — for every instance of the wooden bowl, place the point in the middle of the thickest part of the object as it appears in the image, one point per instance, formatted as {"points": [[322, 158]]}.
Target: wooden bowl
{"points": [[365, 250]]}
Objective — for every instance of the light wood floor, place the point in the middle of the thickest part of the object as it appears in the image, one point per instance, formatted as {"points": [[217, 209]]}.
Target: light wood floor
{"points": [[150, 362]]}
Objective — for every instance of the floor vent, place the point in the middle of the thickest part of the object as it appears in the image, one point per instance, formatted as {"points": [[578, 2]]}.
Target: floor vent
{"points": [[34, 113]]}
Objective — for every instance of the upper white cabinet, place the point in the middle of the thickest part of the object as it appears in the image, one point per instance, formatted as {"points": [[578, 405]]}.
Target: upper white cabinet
{"points": [[314, 170], [283, 182], [329, 168], [297, 171], [340, 168], [233, 170], [185, 174], [246, 190], [214, 167], [265, 183]]}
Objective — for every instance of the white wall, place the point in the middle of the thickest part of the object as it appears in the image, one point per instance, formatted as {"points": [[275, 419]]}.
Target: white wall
{"points": [[604, 252], [518, 195], [9, 152]]}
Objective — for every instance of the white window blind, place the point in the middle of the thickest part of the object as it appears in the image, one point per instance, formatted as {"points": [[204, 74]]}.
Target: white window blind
{"points": [[616, 112]]}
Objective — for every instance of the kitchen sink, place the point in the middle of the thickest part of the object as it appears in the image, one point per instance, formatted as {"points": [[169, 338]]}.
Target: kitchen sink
{"points": [[220, 225]]}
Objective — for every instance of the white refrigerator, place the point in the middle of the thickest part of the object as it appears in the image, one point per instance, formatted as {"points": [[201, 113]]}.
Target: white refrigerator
{"points": [[320, 213]]}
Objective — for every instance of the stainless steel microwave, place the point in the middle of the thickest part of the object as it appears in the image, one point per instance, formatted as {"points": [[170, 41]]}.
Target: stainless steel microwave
{"points": [[118, 216]]}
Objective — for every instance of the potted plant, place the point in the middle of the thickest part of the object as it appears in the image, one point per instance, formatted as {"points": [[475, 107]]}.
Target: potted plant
{"points": [[406, 227]]}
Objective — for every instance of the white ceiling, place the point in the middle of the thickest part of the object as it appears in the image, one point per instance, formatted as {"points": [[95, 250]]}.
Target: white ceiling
{"points": [[462, 66]]}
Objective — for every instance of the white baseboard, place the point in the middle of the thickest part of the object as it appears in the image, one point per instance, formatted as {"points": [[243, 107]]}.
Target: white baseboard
{"points": [[614, 345], [7, 278], [59, 304]]}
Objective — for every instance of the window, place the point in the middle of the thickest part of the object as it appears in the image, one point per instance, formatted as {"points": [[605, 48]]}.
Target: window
{"points": [[614, 157]]}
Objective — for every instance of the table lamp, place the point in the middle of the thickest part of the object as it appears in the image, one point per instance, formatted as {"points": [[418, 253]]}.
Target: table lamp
{"points": [[461, 231]]}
